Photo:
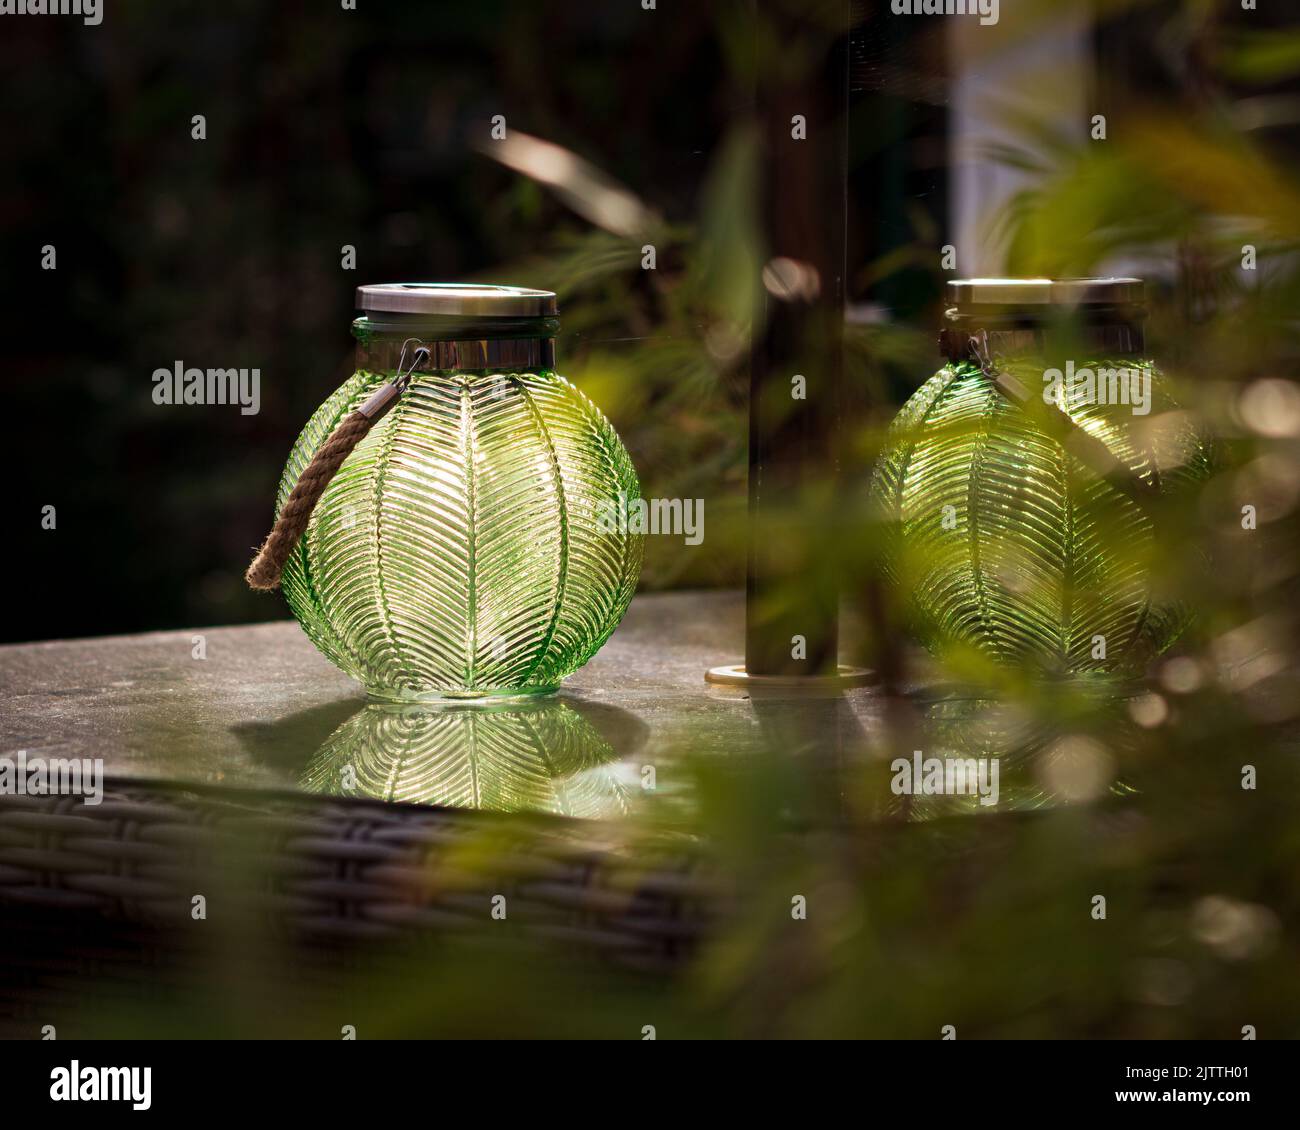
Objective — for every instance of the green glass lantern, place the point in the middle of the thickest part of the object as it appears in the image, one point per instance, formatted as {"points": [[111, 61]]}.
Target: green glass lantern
{"points": [[459, 551], [1024, 482]]}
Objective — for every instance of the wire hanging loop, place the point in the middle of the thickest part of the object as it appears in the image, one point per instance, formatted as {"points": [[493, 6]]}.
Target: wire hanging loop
{"points": [[979, 347], [418, 358], [265, 571], [383, 398]]}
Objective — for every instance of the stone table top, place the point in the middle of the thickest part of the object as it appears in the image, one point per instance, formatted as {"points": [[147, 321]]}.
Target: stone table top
{"points": [[263, 708]]}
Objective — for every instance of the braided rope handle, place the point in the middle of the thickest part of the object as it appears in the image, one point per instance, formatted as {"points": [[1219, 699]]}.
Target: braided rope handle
{"points": [[264, 573], [268, 566]]}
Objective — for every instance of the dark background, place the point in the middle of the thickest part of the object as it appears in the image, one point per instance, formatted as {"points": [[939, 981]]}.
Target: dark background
{"points": [[325, 127], [328, 127]]}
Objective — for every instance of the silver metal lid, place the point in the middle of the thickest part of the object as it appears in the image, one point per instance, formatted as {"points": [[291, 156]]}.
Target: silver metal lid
{"points": [[479, 300], [1045, 292]]}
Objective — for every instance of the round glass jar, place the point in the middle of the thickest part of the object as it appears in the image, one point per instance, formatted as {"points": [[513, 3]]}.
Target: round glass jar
{"points": [[1024, 482], [459, 551]]}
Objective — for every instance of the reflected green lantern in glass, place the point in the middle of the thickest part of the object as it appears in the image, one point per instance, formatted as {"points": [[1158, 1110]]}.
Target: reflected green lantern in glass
{"points": [[527, 755], [1024, 481], [460, 551]]}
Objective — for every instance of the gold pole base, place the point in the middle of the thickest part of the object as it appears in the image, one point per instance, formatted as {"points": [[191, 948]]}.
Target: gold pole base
{"points": [[735, 675]]}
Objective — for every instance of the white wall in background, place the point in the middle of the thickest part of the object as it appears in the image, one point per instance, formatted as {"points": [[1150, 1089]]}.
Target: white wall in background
{"points": [[1036, 60]]}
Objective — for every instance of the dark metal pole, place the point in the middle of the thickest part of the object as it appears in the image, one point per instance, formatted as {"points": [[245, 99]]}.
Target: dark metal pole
{"points": [[792, 590]]}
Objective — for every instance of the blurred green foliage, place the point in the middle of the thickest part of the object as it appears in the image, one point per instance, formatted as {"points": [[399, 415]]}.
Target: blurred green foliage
{"points": [[978, 921]]}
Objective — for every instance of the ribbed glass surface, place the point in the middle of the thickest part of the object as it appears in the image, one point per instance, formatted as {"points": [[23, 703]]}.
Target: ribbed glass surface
{"points": [[1008, 542], [538, 756], [458, 551]]}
